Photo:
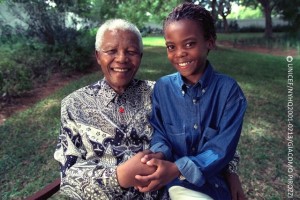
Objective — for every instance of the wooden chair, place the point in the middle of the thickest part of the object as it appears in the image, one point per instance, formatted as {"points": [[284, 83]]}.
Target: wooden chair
{"points": [[46, 192]]}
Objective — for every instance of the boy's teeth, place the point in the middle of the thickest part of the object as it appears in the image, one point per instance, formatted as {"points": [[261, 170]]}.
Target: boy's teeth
{"points": [[183, 64]]}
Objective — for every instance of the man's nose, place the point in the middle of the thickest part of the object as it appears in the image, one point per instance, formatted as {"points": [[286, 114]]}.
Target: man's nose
{"points": [[121, 57]]}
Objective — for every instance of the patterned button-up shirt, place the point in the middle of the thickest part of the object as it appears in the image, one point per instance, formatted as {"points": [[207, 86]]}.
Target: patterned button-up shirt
{"points": [[99, 130]]}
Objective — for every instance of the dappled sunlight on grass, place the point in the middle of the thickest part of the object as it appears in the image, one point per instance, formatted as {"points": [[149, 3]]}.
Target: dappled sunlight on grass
{"points": [[47, 107], [154, 41]]}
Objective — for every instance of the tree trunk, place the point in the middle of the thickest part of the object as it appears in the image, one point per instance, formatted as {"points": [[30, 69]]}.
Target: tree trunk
{"points": [[214, 9], [225, 23], [268, 19]]}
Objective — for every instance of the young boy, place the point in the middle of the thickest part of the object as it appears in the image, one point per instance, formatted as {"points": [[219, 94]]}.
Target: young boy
{"points": [[197, 113]]}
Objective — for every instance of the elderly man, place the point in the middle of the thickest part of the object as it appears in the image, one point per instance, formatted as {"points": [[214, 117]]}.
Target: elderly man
{"points": [[104, 126]]}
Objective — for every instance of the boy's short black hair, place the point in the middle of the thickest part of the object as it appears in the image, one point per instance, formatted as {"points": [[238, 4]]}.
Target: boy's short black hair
{"points": [[194, 12]]}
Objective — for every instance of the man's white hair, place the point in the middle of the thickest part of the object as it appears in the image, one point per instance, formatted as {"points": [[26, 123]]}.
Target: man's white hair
{"points": [[117, 24]]}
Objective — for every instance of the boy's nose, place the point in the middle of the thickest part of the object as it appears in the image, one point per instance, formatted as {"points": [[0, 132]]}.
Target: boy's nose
{"points": [[181, 53]]}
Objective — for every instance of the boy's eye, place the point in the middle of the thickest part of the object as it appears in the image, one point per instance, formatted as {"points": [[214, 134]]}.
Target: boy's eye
{"points": [[190, 44], [170, 47]]}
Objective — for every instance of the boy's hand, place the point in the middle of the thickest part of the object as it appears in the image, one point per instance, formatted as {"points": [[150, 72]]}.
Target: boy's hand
{"points": [[166, 171], [149, 156]]}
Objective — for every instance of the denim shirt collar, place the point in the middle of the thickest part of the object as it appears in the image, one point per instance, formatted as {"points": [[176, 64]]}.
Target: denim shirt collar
{"points": [[203, 82]]}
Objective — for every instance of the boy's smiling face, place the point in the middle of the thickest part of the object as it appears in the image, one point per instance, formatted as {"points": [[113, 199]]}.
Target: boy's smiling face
{"points": [[187, 48]]}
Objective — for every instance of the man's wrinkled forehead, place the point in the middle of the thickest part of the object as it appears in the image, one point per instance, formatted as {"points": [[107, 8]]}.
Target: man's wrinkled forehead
{"points": [[114, 36]]}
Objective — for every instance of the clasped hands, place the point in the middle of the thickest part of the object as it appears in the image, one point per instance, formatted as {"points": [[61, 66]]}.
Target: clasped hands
{"points": [[146, 171]]}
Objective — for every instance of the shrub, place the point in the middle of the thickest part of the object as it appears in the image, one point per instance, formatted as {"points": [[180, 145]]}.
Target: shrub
{"points": [[76, 55], [25, 62], [14, 78]]}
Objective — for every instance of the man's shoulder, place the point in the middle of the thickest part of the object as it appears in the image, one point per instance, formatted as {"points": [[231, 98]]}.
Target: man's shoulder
{"points": [[83, 91], [148, 83], [145, 85]]}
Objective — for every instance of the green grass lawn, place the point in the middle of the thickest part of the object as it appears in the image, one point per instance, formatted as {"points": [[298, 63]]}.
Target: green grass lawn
{"points": [[279, 40], [28, 139]]}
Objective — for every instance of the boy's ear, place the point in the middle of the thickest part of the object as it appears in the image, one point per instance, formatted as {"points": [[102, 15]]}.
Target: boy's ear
{"points": [[211, 43]]}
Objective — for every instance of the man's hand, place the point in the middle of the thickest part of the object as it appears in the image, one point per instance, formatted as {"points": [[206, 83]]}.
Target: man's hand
{"points": [[166, 171], [127, 171], [235, 186]]}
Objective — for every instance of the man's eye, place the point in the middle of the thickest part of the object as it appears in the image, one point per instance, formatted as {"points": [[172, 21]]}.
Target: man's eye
{"points": [[110, 52], [133, 53]]}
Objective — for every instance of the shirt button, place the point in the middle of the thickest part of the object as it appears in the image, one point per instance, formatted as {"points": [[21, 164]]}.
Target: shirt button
{"points": [[203, 90], [194, 101], [216, 185], [193, 149], [195, 126], [182, 92]]}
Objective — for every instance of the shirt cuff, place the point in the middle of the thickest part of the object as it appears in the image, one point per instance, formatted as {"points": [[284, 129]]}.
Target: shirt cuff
{"points": [[190, 171], [232, 167], [161, 147], [115, 183]]}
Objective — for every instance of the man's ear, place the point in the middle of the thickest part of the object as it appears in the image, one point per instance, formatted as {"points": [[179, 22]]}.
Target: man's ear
{"points": [[96, 54], [97, 57]]}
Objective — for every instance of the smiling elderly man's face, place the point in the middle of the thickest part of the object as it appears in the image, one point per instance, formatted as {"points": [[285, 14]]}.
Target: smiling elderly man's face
{"points": [[119, 58]]}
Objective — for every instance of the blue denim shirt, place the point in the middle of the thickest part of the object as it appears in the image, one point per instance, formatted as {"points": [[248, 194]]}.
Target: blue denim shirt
{"points": [[198, 127]]}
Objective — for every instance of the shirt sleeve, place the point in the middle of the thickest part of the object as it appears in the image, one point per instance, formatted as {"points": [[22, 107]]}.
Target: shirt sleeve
{"points": [[215, 153], [219, 150], [81, 178], [159, 142], [232, 166]]}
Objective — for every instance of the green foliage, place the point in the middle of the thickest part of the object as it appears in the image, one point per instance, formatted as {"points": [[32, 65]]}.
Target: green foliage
{"points": [[14, 78], [78, 54], [269, 7], [26, 62], [138, 12], [246, 13], [290, 12]]}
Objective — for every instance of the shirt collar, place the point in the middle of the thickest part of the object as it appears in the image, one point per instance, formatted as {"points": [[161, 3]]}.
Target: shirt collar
{"points": [[108, 94], [204, 80]]}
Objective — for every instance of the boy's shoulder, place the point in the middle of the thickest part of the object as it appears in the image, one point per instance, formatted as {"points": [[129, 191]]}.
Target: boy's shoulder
{"points": [[167, 78], [220, 77]]}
